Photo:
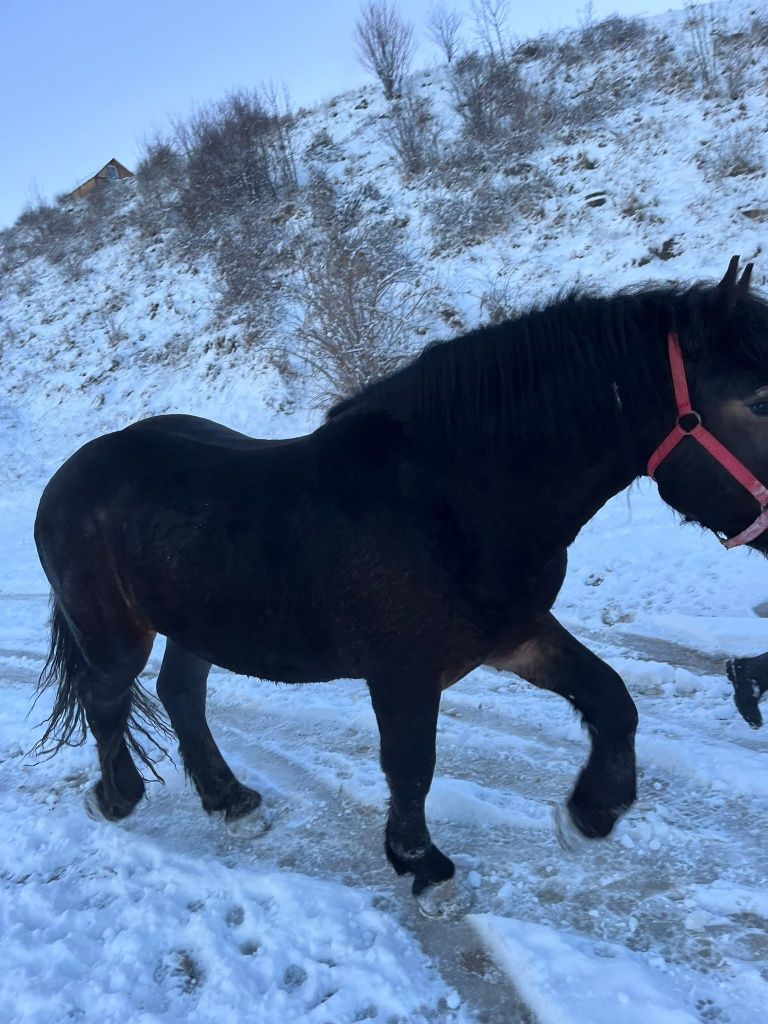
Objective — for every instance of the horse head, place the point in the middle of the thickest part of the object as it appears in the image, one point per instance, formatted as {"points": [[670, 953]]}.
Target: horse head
{"points": [[712, 466]]}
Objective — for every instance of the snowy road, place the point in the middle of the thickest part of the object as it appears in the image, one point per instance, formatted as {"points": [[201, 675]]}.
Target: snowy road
{"points": [[170, 916]]}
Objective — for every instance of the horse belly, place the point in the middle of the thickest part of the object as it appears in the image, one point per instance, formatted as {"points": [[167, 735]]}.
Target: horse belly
{"points": [[255, 624], [251, 656]]}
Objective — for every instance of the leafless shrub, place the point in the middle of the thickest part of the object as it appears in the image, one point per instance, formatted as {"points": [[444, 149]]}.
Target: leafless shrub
{"points": [[735, 61], [479, 96], [112, 329], [11, 339], [413, 133], [104, 214], [492, 27], [735, 152], [501, 299], [567, 53], [594, 38], [385, 44], [45, 230], [612, 33], [703, 25], [25, 280], [360, 293], [246, 257], [8, 251], [499, 107], [443, 27], [322, 148], [239, 153], [611, 85], [719, 62], [758, 30], [604, 95], [459, 219], [534, 49], [159, 176], [160, 166]]}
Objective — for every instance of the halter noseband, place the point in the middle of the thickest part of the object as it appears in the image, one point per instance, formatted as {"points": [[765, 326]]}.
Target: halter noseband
{"points": [[698, 432]]}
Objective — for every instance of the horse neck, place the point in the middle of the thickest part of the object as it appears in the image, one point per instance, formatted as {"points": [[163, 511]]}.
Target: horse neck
{"points": [[565, 473], [542, 493]]}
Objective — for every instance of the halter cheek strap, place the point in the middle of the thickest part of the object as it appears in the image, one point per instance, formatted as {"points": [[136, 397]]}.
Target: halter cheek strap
{"points": [[689, 425]]}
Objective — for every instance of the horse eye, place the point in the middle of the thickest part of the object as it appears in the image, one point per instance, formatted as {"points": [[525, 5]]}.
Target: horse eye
{"points": [[759, 408]]}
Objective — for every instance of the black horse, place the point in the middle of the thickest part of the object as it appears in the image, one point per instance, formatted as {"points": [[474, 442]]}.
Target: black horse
{"points": [[421, 531]]}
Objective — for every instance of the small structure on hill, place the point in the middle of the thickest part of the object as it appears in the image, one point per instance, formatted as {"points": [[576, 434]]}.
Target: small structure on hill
{"points": [[109, 173]]}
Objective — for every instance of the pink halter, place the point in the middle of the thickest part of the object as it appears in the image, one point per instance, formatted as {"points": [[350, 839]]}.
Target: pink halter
{"points": [[717, 450]]}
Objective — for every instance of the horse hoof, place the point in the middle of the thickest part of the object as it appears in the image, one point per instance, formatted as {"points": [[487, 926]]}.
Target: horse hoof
{"points": [[93, 806], [568, 834], [254, 824], [445, 901], [117, 808], [237, 801]]}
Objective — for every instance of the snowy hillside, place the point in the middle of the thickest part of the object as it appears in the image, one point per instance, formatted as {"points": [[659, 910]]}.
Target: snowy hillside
{"points": [[619, 154]]}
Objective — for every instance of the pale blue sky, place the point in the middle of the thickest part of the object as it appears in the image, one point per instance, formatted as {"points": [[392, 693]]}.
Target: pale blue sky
{"points": [[82, 81]]}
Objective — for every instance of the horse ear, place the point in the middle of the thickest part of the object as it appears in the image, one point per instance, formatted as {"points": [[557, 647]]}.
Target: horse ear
{"points": [[726, 290], [742, 288]]}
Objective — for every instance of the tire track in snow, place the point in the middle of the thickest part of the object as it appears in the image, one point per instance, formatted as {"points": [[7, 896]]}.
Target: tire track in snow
{"points": [[313, 754]]}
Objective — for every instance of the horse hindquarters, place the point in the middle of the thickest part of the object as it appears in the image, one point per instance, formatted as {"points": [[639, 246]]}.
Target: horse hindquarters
{"points": [[98, 648], [96, 683]]}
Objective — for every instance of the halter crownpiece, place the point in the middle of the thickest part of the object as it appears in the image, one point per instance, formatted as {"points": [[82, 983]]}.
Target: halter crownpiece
{"points": [[689, 425]]}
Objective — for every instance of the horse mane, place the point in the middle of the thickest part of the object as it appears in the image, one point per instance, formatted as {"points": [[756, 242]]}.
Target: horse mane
{"points": [[577, 368]]}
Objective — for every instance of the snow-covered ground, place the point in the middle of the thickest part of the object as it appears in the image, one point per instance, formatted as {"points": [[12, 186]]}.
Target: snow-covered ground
{"points": [[171, 916]]}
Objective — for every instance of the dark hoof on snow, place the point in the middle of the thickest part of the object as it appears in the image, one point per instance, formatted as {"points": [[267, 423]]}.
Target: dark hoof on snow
{"points": [[238, 802], [576, 829], [746, 691], [246, 802], [435, 868], [569, 835], [428, 868], [98, 807]]}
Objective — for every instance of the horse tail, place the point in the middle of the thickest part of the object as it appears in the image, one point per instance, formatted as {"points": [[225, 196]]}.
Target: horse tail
{"points": [[63, 669], [68, 671]]}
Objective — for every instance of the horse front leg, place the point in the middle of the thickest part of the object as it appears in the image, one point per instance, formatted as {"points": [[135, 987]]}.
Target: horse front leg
{"points": [[406, 712], [554, 660]]}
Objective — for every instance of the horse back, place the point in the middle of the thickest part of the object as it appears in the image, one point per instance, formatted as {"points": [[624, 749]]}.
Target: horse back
{"points": [[202, 432]]}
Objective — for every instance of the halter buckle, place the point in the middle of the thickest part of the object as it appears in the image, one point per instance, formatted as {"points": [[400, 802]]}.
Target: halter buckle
{"points": [[688, 416]]}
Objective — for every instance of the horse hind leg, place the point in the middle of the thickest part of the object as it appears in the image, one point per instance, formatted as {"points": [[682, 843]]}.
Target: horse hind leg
{"points": [[95, 674], [182, 688]]}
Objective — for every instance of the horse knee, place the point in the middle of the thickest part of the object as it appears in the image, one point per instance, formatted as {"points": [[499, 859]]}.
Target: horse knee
{"points": [[610, 711]]}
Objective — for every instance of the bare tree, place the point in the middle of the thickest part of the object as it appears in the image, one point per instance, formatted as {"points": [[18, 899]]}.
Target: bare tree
{"points": [[361, 294], [413, 132], [491, 26], [384, 44], [443, 29]]}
